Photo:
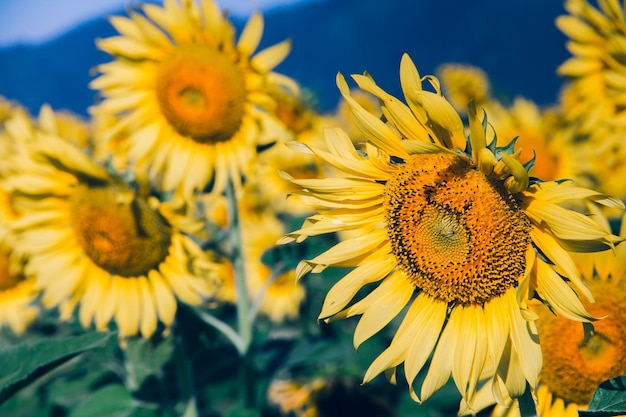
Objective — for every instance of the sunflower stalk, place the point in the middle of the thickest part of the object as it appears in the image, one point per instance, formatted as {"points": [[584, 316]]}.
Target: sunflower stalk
{"points": [[245, 320]]}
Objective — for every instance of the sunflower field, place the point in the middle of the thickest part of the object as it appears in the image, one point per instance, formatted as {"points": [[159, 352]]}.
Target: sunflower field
{"points": [[207, 243]]}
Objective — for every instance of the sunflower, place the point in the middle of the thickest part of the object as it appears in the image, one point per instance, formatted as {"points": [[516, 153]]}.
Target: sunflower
{"points": [[277, 289], [462, 83], [326, 397], [91, 239], [17, 291], [597, 69], [576, 363], [295, 121], [186, 99], [452, 229], [593, 98], [541, 133]]}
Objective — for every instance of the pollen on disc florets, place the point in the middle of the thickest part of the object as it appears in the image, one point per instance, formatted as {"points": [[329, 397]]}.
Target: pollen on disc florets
{"points": [[458, 235], [202, 93]]}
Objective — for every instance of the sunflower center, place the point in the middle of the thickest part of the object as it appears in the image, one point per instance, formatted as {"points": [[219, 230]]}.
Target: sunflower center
{"points": [[201, 93], [574, 367], [459, 236], [119, 233]]}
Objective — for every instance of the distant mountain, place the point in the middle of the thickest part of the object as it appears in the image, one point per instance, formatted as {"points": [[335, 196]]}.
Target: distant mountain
{"points": [[515, 42]]}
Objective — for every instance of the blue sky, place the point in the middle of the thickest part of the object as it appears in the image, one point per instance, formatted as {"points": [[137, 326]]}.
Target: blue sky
{"points": [[35, 21]]}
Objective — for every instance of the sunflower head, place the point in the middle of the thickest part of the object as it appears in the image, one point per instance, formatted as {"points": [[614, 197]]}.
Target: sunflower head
{"points": [[453, 227], [184, 100], [464, 83], [126, 256], [280, 293]]}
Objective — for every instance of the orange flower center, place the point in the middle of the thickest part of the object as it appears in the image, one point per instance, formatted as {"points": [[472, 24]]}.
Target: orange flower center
{"points": [[574, 367], [459, 236], [117, 231], [201, 93]]}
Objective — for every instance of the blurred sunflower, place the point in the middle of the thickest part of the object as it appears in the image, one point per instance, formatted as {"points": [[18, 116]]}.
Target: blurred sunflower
{"points": [[464, 83], [326, 397], [596, 73], [575, 363], [453, 228], [92, 240], [17, 291], [541, 133], [594, 97], [186, 98], [541, 136], [295, 121], [279, 293]]}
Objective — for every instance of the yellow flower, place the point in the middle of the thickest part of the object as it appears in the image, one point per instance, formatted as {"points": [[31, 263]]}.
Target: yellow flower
{"points": [[455, 230], [596, 70], [575, 365], [17, 291], [593, 99], [326, 397], [265, 186], [541, 133], [463, 83], [280, 294], [342, 116], [188, 99], [6, 109], [293, 398], [92, 240]]}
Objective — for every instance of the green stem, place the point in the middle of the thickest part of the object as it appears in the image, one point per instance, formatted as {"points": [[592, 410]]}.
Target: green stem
{"points": [[185, 378], [223, 327], [527, 403], [244, 319]]}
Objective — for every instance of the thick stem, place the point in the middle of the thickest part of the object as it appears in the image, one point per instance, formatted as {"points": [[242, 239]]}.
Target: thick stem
{"points": [[244, 320], [243, 299]]}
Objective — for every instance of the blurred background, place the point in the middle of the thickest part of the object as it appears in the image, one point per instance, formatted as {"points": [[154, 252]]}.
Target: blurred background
{"points": [[47, 48]]}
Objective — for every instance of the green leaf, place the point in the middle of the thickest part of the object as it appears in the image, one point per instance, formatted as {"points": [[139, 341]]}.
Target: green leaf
{"points": [[110, 401], [145, 358], [240, 411], [26, 362], [608, 400]]}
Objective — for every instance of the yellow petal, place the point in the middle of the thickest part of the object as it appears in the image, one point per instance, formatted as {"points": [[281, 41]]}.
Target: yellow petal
{"points": [[428, 318], [374, 129], [164, 300], [561, 259], [384, 304], [251, 35], [440, 366], [560, 296], [346, 288], [269, 58], [148, 309]]}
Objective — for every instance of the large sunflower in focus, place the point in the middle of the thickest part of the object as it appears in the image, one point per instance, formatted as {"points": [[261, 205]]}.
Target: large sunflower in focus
{"points": [[186, 97], [455, 231], [91, 240], [576, 363]]}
